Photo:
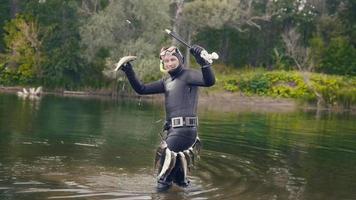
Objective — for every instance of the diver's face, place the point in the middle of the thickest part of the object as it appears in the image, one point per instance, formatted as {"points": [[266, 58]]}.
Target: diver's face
{"points": [[170, 62]]}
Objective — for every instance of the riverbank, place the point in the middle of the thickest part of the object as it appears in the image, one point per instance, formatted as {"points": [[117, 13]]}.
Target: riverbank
{"points": [[330, 90], [208, 100]]}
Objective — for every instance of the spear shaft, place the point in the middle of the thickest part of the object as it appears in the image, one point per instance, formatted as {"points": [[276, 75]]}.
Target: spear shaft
{"points": [[177, 37], [204, 54]]}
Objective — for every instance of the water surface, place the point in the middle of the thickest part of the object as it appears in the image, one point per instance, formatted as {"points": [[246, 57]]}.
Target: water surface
{"points": [[72, 148]]}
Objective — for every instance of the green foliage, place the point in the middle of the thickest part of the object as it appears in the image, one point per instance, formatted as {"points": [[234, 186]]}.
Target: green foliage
{"points": [[214, 14], [59, 22], [346, 96], [318, 49], [4, 17], [347, 16], [333, 51], [92, 75], [281, 61], [334, 89], [143, 36], [24, 56], [339, 57], [231, 85], [69, 43], [299, 12], [257, 84], [228, 27], [277, 84]]}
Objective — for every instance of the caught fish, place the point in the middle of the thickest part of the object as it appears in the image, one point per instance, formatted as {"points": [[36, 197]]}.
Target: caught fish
{"points": [[188, 158], [197, 145], [166, 163], [183, 161], [172, 164], [192, 155], [159, 153]]}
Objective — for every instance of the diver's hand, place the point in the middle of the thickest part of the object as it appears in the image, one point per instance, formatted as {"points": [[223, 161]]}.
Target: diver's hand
{"points": [[126, 67], [196, 50]]}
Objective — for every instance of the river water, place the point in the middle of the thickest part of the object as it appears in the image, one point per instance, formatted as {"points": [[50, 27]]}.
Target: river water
{"points": [[72, 148]]}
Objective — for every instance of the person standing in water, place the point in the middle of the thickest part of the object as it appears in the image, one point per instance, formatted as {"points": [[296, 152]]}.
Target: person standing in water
{"points": [[178, 149]]}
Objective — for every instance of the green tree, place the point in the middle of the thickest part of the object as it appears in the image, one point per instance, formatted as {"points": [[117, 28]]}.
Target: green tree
{"points": [[333, 44], [339, 57], [226, 26], [127, 28], [4, 16], [24, 55], [59, 22]]}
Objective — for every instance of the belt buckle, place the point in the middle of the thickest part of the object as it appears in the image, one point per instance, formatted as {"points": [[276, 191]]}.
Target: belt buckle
{"points": [[177, 122], [191, 121]]}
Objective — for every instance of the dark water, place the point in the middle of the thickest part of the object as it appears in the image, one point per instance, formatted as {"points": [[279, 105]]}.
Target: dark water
{"points": [[70, 148]]}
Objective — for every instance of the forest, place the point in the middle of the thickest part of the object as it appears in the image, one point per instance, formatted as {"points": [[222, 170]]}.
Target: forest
{"points": [[284, 48]]}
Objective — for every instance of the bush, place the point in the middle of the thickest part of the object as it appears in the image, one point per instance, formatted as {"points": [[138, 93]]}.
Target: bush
{"points": [[257, 84], [231, 85], [334, 89]]}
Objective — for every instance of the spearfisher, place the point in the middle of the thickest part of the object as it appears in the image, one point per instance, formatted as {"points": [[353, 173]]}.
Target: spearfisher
{"points": [[179, 148]]}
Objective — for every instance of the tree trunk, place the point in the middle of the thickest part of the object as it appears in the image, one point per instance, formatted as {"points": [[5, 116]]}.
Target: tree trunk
{"points": [[300, 57], [320, 99], [177, 19], [15, 8], [225, 47]]}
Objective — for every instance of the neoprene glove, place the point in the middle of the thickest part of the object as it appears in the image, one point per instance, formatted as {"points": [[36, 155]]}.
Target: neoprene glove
{"points": [[126, 67], [196, 50]]}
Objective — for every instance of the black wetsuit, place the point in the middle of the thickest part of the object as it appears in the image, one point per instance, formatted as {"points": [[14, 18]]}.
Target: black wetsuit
{"points": [[181, 99]]}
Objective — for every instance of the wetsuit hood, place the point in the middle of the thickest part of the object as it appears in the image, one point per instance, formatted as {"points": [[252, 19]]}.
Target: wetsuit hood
{"points": [[175, 72]]}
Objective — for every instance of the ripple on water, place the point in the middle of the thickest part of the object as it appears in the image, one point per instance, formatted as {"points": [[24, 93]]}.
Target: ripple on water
{"points": [[218, 175], [86, 145], [230, 176], [98, 182], [226, 174], [102, 186], [28, 183]]}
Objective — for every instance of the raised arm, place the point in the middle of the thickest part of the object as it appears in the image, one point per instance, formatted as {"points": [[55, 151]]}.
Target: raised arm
{"points": [[150, 88], [206, 77]]}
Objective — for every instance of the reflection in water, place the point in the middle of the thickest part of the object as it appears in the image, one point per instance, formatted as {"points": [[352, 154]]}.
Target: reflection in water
{"points": [[31, 97], [95, 149]]}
